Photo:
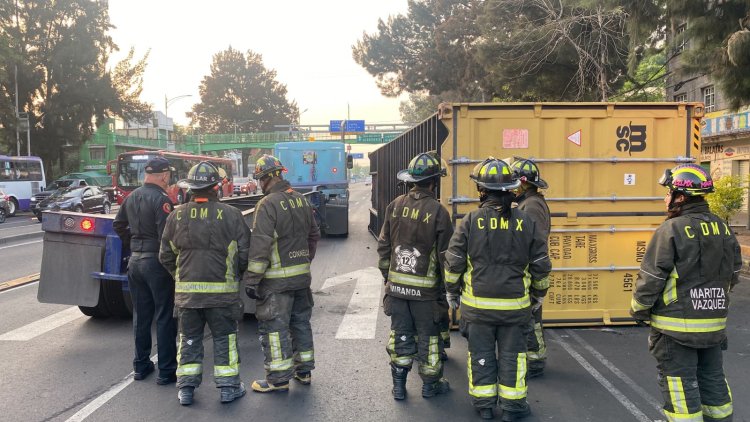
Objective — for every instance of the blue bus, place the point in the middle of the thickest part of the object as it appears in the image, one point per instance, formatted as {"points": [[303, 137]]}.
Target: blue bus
{"points": [[322, 167], [20, 179]]}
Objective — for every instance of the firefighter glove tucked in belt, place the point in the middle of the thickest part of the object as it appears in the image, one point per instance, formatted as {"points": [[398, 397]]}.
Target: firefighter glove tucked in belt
{"points": [[251, 291], [453, 300]]}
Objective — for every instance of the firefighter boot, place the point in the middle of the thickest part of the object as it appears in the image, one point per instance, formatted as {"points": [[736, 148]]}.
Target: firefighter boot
{"points": [[516, 416], [263, 386], [229, 394], [435, 388], [185, 395], [486, 413], [304, 378], [399, 381]]}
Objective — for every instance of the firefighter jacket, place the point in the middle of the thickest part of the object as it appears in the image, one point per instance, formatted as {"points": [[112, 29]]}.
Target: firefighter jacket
{"points": [[532, 202], [416, 231], [285, 235], [690, 264], [204, 247], [495, 263], [141, 218]]}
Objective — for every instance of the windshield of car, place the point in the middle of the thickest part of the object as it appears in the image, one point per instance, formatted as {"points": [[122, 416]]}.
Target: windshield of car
{"points": [[68, 193]]}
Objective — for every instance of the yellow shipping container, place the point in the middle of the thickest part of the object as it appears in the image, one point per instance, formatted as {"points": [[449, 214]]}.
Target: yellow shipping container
{"points": [[601, 161]]}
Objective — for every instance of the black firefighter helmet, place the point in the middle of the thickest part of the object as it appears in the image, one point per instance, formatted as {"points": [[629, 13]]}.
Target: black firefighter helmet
{"points": [[203, 175], [494, 174]]}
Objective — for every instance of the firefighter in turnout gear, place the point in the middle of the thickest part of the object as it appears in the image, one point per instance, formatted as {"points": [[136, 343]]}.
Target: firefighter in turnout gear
{"points": [[205, 246], [415, 233], [531, 201], [691, 263], [285, 235], [497, 260]]}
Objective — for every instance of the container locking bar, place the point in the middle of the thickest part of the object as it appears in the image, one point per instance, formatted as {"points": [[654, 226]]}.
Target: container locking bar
{"points": [[678, 159]]}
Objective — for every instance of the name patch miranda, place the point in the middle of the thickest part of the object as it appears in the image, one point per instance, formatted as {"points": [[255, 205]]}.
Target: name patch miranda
{"points": [[406, 291]]}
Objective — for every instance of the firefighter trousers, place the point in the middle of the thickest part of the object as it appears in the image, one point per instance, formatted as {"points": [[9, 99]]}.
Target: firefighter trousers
{"points": [[691, 380], [223, 325], [285, 333], [491, 376], [415, 332], [537, 348]]}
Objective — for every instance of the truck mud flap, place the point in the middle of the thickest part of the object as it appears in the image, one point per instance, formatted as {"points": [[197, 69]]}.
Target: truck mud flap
{"points": [[67, 263], [337, 219]]}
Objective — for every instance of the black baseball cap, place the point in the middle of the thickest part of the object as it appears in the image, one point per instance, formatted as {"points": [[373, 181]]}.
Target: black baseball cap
{"points": [[158, 165]]}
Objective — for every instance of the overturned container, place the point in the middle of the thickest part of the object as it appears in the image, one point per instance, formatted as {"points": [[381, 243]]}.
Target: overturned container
{"points": [[601, 161]]}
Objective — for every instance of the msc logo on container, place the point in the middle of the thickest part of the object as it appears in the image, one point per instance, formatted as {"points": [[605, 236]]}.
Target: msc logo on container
{"points": [[631, 138]]}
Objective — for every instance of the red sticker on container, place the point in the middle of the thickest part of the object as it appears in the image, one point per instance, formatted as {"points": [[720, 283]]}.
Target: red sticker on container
{"points": [[516, 138]]}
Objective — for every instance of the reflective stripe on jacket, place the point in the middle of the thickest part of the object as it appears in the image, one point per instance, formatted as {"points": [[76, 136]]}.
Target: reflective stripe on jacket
{"points": [[285, 235], [205, 246], [682, 287], [493, 262], [416, 231]]}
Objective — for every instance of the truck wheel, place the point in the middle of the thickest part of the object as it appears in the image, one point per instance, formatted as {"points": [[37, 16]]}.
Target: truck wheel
{"points": [[2, 215], [98, 311], [118, 301]]}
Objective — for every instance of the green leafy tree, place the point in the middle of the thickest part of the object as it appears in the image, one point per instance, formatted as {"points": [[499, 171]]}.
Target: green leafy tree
{"points": [[60, 50], [711, 26], [727, 198], [241, 91], [647, 84], [432, 48]]}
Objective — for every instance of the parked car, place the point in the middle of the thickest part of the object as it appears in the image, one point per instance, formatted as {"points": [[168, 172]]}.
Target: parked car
{"points": [[88, 199], [54, 187], [4, 206], [249, 188], [238, 182], [245, 186]]}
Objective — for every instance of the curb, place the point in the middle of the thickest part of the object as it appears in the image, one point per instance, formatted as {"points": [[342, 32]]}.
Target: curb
{"points": [[23, 236]]}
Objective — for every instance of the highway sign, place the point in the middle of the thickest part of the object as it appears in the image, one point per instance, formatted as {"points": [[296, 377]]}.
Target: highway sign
{"points": [[351, 126]]}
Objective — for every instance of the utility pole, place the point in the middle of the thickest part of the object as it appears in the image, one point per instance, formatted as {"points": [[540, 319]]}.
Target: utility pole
{"points": [[18, 141]]}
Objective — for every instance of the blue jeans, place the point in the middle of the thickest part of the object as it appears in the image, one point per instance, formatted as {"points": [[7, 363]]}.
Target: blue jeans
{"points": [[152, 290]]}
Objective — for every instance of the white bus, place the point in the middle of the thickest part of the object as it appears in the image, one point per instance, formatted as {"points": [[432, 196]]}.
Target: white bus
{"points": [[20, 179]]}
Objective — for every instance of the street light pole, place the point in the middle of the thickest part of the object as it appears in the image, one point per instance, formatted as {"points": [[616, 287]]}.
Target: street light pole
{"points": [[167, 102]]}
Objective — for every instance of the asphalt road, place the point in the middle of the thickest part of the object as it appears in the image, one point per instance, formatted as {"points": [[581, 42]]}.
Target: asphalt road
{"points": [[61, 366]]}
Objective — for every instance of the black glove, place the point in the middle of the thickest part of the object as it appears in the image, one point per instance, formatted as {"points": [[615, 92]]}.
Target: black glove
{"points": [[251, 291]]}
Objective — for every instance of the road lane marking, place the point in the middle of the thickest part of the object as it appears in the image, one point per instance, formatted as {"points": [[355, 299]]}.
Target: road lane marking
{"points": [[360, 320], [632, 408], [37, 328], [626, 379], [100, 401], [21, 244]]}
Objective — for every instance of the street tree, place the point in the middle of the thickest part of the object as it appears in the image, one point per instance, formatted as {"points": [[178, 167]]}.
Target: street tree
{"points": [[431, 48], [240, 92], [565, 50], [61, 50], [714, 30]]}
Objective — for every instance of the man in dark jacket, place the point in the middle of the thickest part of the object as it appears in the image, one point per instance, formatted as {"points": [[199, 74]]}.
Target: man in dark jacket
{"points": [[690, 266], [415, 233], [285, 235], [205, 247], [497, 260], [140, 223], [531, 201]]}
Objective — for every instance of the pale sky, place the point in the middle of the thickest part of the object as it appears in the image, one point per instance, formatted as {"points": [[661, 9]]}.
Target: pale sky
{"points": [[308, 43]]}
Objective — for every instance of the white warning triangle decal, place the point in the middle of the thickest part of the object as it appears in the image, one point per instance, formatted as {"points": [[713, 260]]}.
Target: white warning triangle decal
{"points": [[575, 138]]}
